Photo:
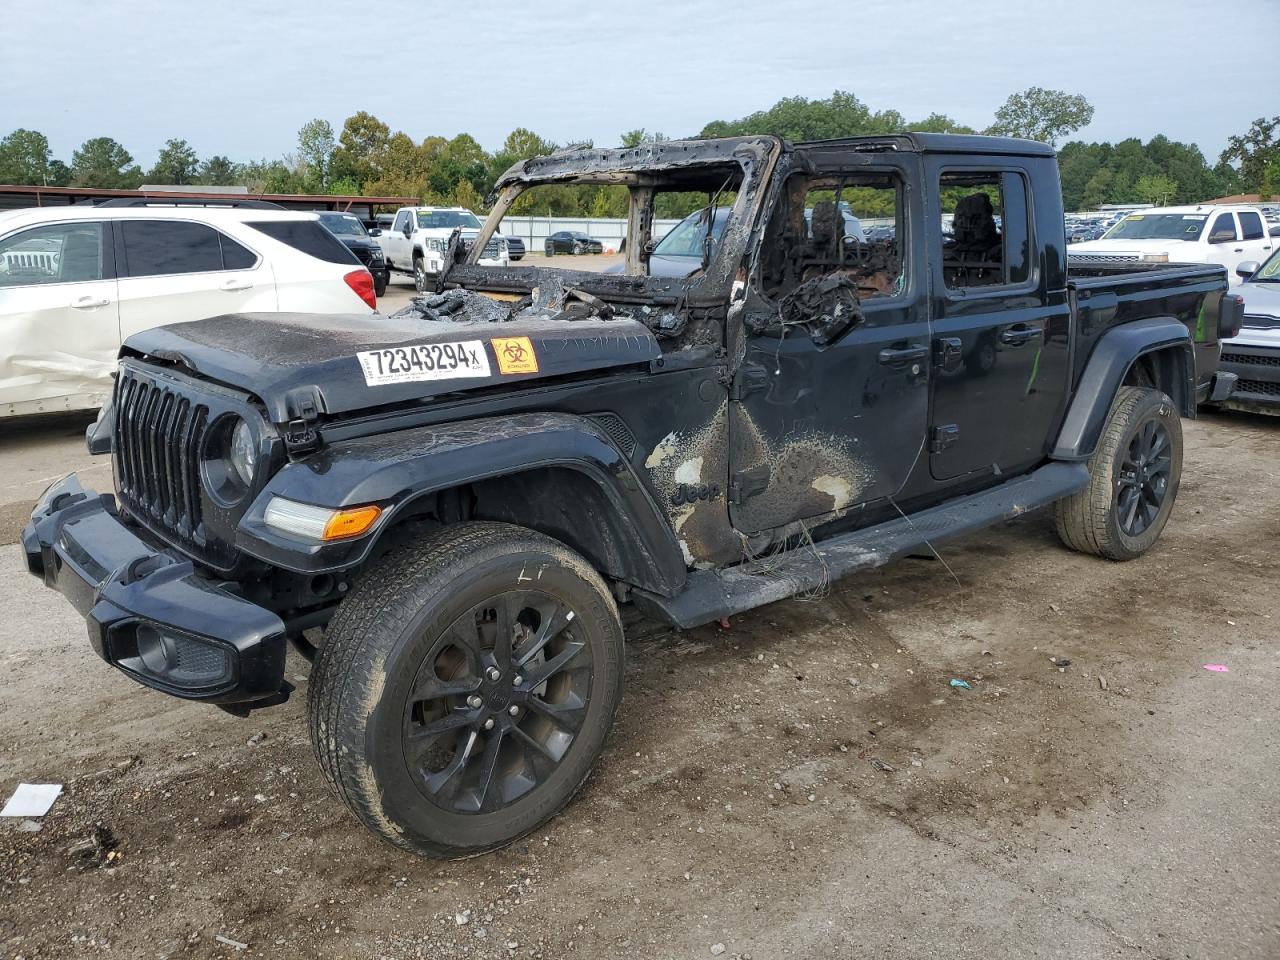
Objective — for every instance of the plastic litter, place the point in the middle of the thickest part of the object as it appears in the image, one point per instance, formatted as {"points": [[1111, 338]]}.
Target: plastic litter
{"points": [[31, 800], [961, 684], [1217, 667]]}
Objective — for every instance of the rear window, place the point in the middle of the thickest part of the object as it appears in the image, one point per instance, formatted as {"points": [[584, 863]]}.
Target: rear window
{"points": [[307, 236]]}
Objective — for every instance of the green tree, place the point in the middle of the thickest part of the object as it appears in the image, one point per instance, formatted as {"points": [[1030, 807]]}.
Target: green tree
{"points": [[24, 158], [218, 171], [104, 164], [1040, 114], [58, 175], [362, 148], [177, 164], [633, 138], [1253, 151], [1155, 188], [316, 147], [1096, 192]]}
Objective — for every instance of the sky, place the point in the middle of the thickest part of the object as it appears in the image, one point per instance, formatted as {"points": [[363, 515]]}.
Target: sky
{"points": [[239, 78]]}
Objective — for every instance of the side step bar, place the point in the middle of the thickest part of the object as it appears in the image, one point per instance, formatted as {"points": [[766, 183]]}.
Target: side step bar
{"points": [[711, 594]]}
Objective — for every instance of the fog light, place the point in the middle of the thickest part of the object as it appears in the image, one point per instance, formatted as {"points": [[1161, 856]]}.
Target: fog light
{"points": [[179, 659]]}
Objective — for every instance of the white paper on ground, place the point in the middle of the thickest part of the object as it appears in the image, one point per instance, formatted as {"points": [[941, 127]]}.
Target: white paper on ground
{"points": [[31, 800]]}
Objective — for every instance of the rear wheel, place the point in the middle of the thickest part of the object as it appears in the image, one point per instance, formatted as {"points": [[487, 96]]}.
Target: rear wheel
{"points": [[549, 250], [1133, 479], [466, 687]]}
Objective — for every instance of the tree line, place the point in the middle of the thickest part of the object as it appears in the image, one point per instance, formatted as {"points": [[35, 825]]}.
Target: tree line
{"points": [[365, 157]]}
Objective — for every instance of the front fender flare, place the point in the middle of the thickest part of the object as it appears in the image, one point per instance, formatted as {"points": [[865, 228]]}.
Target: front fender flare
{"points": [[397, 470], [1104, 373]]}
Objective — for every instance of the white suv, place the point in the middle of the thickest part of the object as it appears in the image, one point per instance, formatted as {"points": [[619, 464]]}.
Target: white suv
{"points": [[416, 241], [76, 281]]}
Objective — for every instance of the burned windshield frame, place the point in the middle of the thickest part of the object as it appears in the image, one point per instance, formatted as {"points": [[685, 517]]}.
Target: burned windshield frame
{"points": [[646, 171]]}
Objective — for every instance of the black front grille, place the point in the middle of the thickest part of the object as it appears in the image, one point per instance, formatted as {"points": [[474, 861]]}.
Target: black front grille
{"points": [[159, 434], [1258, 386], [1256, 359]]}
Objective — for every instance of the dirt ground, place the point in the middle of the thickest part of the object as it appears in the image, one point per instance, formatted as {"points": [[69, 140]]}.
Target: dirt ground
{"points": [[804, 784]]}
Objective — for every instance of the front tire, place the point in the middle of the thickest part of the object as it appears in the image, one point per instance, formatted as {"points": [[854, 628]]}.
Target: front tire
{"points": [[466, 688], [1133, 479], [419, 275]]}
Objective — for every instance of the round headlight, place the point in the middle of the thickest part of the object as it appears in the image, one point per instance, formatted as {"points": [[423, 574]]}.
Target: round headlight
{"points": [[243, 454]]}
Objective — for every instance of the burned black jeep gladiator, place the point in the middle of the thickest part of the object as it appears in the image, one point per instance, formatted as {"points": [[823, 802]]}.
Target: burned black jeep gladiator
{"points": [[456, 504]]}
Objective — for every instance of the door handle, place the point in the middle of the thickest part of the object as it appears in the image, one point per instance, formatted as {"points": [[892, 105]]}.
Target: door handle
{"points": [[1017, 336], [89, 303], [234, 285], [894, 357]]}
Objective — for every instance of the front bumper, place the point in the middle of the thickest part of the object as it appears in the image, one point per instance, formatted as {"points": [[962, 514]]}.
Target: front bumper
{"points": [[1258, 370], [150, 614]]}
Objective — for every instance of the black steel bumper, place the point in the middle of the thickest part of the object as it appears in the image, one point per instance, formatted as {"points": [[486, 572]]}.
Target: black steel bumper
{"points": [[1258, 370], [150, 614]]}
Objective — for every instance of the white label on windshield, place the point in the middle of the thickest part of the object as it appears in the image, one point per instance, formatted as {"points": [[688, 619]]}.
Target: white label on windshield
{"points": [[1195, 216], [424, 361]]}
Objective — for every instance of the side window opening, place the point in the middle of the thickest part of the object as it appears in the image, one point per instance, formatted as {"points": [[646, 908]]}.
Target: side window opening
{"points": [[1251, 225], [306, 236], [985, 229], [55, 253], [847, 227], [235, 256], [1223, 229], [162, 247]]}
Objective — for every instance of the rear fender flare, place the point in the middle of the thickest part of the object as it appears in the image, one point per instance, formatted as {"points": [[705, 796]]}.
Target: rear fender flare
{"points": [[402, 470], [1115, 354]]}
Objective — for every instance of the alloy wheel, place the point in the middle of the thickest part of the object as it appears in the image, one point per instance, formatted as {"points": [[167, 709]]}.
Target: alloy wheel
{"points": [[497, 702]]}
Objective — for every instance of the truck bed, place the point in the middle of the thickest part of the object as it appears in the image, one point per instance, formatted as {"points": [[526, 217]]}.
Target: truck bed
{"points": [[1104, 295]]}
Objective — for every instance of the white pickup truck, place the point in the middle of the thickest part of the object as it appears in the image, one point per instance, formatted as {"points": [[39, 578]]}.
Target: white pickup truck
{"points": [[1205, 233], [416, 241]]}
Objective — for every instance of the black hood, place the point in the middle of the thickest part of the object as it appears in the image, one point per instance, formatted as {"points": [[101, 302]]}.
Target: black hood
{"points": [[271, 354]]}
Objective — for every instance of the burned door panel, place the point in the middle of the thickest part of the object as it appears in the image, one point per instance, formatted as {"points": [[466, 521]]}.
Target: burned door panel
{"points": [[828, 407]]}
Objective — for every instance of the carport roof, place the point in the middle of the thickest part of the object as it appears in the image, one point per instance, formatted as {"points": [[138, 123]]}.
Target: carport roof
{"points": [[14, 196]]}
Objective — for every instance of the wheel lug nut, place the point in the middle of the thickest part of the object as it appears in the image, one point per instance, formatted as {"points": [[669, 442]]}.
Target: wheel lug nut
{"points": [[517, 680], [493, 673], [474, 702], [513, 710], [488, 724]]}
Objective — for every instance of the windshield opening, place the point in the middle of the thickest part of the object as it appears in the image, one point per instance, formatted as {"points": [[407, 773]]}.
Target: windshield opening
{"points": [[343, 224], [447, 219], [1159, 226], [1270, 270]]}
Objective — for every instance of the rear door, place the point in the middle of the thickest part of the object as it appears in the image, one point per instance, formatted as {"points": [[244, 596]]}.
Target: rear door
{"points": [[59, 316], [1001, 318], [1254, 239], [175, 270]]}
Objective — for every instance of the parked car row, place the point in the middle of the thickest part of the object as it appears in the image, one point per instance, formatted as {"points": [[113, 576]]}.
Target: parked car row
{"points": [[1227, 234]]}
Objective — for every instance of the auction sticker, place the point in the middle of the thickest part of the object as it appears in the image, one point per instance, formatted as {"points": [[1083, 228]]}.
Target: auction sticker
{"points": [[515, 355], [424, 361]]}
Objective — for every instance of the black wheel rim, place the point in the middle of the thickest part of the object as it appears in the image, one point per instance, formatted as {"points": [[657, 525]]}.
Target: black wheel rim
{"points": [[1143, 480], [497, 703]]}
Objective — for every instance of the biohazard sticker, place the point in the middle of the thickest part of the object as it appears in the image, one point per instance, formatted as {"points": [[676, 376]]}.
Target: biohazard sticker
{"points": [[515, 355]]}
